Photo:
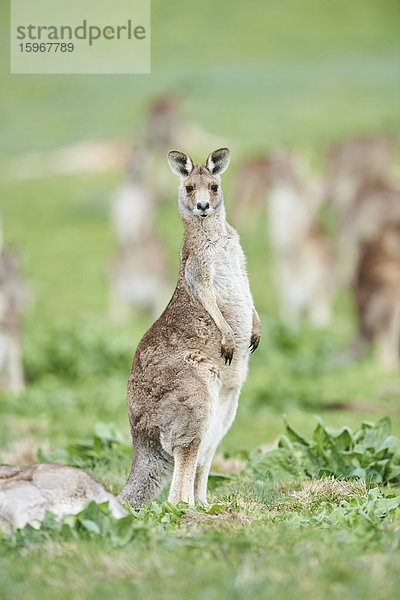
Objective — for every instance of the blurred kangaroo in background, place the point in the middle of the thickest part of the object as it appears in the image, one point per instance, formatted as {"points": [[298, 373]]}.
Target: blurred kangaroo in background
{"points": [[11, 299], [353, 161], [376, 204], [163, 121], [189, 367], [304, 256], [166, 126], [250, 190], [377, 295], [139, 270]]}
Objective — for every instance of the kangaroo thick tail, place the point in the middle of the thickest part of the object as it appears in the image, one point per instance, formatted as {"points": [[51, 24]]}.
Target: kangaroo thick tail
{"points": [[151, 468]]}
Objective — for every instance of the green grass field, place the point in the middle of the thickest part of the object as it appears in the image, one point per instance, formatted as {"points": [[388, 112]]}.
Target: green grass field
{"points": [[261, 75]]}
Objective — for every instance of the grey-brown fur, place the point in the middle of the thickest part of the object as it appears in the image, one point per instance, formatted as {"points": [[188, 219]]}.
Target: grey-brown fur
{"points": [[11, 300], [304, 256], [139, 270], [26, 493], [251, 190], [189, 367], [376, 205], [377, 296], [353, 161]]}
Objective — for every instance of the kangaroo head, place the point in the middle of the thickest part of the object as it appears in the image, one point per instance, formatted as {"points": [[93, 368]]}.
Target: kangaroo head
{"points": [[200, 193]]}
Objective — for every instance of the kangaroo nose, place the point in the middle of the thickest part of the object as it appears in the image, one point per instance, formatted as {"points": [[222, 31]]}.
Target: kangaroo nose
{"points": [[204, 206]]}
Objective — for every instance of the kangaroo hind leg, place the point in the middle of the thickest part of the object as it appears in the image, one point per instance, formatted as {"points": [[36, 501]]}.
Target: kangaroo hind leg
{"points": [[182, 486]]}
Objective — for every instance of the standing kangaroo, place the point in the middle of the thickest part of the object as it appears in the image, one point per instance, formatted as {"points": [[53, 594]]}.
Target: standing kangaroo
{"points": [[189, 367]]}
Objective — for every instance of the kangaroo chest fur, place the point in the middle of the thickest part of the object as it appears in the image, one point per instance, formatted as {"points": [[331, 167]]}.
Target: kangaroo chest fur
{"points": [[226, 268], [231, 289]]}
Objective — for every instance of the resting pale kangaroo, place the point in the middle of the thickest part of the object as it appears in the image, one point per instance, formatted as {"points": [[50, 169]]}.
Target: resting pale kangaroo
{"points": [[189, 367]]}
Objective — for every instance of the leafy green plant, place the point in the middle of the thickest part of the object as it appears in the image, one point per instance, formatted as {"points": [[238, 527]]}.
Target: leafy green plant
{"points": [[371, 453], [353, 512], [95, 521]]}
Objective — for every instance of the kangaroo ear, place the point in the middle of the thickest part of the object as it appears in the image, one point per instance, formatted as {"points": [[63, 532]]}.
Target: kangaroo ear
{"points": [[218, 161], [181, 164]]}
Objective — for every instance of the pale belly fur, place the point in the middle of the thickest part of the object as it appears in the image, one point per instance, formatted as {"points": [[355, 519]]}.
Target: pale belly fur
{"points": [[235, 302]]}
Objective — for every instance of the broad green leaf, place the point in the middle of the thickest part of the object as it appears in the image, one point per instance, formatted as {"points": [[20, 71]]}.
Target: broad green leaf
{"points": [[215, 509], [284, 442], [295, 436], [90, 526]]}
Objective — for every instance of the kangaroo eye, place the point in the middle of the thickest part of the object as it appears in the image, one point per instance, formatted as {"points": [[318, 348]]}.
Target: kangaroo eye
{"points": [[189, 189], [214, 188]]}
